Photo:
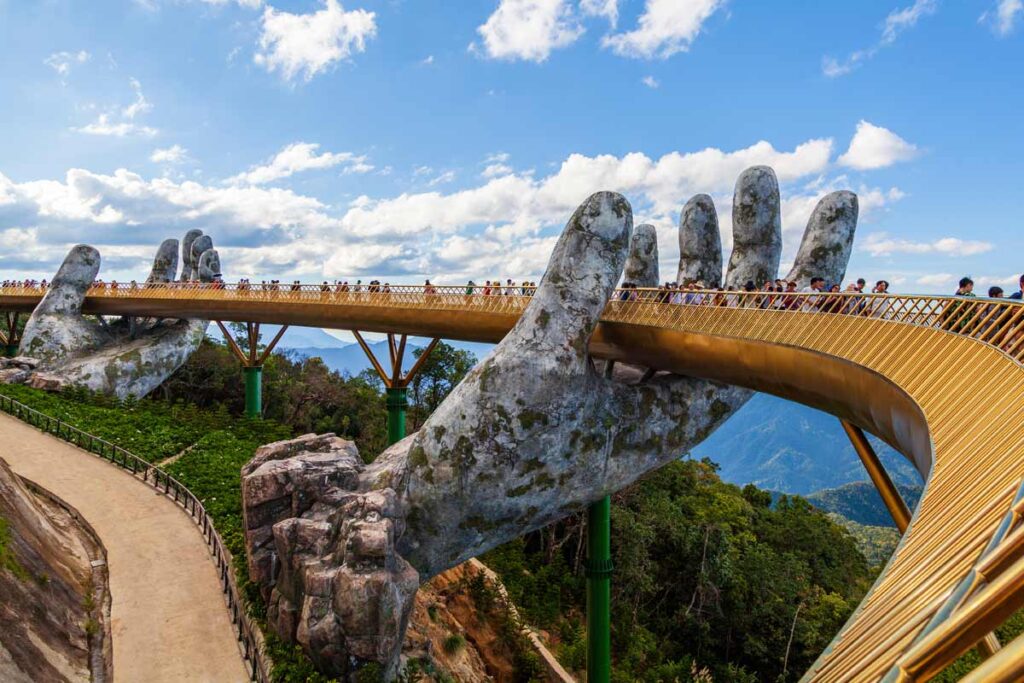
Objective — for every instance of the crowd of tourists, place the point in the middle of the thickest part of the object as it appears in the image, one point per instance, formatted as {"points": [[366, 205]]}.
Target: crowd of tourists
{"points": [[778, 293]]}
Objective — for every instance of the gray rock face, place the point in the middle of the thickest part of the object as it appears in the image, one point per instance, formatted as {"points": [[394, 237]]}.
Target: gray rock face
{"points": [[756, 228], [322, 549], [825, 249], [642, 262], [700, 243], [186, 255], [532, 434], [114, 358]]}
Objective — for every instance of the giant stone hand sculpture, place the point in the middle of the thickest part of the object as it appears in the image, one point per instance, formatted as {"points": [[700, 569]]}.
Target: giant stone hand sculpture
{"points": [[122, 357], [534, 433]]}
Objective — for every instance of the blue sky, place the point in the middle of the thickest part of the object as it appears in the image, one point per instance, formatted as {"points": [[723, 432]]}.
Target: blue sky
{"points": [[401, 139]]}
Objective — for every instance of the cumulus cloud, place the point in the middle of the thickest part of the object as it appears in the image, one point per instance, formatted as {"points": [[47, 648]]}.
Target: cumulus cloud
{"points": [[307, 44], [881, 244], [61, 62], [609, 9], [505, 225], [120, 122], [876, 147], [175, 154], [528, 30], [298, 157], [651, 82], [1002, 18], [897, 21], [665, 28]]}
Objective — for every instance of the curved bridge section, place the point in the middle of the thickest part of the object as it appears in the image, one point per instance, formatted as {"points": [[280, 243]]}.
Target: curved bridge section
{"points": [[939, 379]]}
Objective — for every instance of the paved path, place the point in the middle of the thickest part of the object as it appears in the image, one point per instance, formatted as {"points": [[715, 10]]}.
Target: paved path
{"points": [[168, 617]]}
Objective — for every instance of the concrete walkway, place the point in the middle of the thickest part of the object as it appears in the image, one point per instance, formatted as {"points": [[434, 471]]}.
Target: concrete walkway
{"points": [[168, 616]]}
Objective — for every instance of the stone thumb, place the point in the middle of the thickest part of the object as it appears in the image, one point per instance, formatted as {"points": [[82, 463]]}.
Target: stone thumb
{"points": [[74, 278]]}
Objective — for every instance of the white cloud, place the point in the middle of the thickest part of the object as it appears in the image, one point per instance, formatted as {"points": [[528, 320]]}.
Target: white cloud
{"points": [[528, 29], [496, 170], [665, 28], [120, 122], [61, 62], [1003, 16], [427, 61], [608, 9], [307, 44], [104, 126], [442, 178], [897, 21], [876, 147], [936, 279], [880, 244], [298, 157], [650, 82], [175, 154], [504, 226]]}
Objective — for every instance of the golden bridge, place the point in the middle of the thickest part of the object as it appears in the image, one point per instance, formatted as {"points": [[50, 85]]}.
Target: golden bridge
{"points": [[939, 379]]}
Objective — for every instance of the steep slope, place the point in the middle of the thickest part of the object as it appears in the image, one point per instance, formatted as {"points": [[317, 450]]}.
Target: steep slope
{"points": [[52, 600], [783, 446]]}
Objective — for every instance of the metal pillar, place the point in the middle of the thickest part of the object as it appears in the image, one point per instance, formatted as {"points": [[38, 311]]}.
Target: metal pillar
{"points": [[395, 382], [252, 362], [396, 403], [599, 592], [879, 477], [253, 390], [11, 339]]}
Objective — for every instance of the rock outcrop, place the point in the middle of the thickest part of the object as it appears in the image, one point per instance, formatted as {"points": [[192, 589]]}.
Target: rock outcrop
{"points": [[532, 434], [122, 357], [53, 605]]}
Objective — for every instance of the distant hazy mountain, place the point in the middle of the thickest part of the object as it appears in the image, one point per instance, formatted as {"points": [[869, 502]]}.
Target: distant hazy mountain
{"points": [[788, 447], [351, 359], [860, 502], [294, 337]]}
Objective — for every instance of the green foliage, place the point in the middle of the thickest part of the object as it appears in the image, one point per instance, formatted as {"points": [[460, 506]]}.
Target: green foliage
{"points": [[706, 575], [454, 644], [8, 561], [876, 543], [152, 430]]}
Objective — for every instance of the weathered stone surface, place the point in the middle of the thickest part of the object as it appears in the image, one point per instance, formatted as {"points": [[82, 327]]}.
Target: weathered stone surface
{"points": [[642, 262], [117, 358], [531, 435], [700, 243], [20, 362], [165, 263], [48, 591], [756, 228], [187, 261], [825, 249], [46, 381], [14, 375]]}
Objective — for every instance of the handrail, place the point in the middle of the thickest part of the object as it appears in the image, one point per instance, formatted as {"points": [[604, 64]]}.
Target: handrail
{"points": [[995, 322], [179, 494]]}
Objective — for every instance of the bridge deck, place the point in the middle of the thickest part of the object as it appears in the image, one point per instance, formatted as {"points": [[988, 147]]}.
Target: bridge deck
{"points": [[938, 379]]}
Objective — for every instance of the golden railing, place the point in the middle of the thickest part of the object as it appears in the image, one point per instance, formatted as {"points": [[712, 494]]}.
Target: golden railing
{"points": [[939, 378]]}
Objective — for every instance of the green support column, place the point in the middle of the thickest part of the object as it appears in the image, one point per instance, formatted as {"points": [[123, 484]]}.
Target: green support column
{"points": [[10, 350], [599, 591], [253, 391], [396, 403]]}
